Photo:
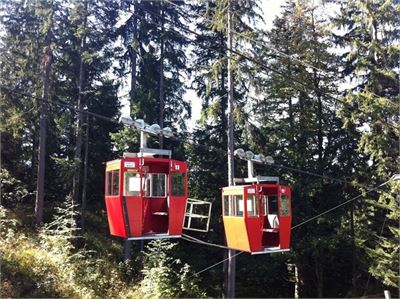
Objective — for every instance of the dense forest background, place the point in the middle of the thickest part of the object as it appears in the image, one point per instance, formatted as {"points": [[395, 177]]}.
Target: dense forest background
{"points": [[319, 92]]}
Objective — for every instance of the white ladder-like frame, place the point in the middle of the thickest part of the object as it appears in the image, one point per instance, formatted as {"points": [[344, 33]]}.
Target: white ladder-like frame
{"points": [[191, 202]]}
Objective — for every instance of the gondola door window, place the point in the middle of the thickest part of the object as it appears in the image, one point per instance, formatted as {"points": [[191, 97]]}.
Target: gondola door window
{"points": [[252, 205], [264, 205], [113, 182], [239, 205], [132, 183], [284, 207], [178, 184], [226, 205]]}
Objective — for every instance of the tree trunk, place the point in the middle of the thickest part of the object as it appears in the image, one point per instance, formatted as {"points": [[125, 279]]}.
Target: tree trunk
{"points": [[133, 57], [296, 282], [78, 144], [34, 156], [47, 62], [161, 103], [318, 93], [231, 252], [319, 273], [223, 95], [353, 253], [85, 173]]}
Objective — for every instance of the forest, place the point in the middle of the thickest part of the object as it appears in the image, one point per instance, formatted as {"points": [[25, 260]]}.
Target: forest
{"points": [[318, 91]]}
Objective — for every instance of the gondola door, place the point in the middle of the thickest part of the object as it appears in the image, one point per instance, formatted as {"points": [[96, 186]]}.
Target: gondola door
{"points": [[285, 217], [132, 197], [177, 196]]}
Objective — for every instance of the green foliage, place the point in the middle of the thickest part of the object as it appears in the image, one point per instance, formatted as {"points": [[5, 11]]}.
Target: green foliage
{"points": [[299, 125], [165, 276], [370, 58], [51, 265], [143, 35], [382, 248], [12, 190]]}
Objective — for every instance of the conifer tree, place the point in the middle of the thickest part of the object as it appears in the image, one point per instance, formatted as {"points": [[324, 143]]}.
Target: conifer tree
{"points": [[299, 127], [21, 59], [154, 46], [369, 35]]}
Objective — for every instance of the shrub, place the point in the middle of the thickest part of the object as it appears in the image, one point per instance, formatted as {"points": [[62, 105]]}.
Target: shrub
{"points": [[165, 276]]}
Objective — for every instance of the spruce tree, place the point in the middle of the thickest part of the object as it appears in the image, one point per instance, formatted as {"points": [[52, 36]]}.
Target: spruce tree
{"points": [[296, 110], [369, 35]]}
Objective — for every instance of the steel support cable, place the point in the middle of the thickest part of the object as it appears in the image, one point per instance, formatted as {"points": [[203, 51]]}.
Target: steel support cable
{"points": [[298, 225], [293, 169], [263, 66], [259, 42], [216, 264], [269, 46], [240, 54], [198, 241], [189, 238], [193, 239], [189, 140], [342, 204], [105, 118], [59, 103]]}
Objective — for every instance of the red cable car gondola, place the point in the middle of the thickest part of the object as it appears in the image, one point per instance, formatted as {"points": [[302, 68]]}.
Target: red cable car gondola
{"points": [[145, 195], [258, 216]]}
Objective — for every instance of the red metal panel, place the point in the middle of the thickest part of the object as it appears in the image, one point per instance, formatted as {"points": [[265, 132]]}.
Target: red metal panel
{"points": [[285, 222], [177, 207], [177, 204], [146, 211], [115, 216], [134, 206], [253, 223]]}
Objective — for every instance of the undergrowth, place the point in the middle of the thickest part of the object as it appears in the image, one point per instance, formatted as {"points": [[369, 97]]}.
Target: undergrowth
{"points": [[60, 261], [47, 263]]}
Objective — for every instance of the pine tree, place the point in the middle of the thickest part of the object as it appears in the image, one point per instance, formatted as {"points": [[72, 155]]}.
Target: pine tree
{"points": [[21, 59], [299, 127], [37, 22], [369, 34], [208, 160], [154, 46]]}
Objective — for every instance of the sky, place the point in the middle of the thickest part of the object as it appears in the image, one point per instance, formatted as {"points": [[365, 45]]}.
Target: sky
{"points": [[270, 9]]}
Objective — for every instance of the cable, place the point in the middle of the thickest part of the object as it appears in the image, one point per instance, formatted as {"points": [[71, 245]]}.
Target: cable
{"points": [[309, 173], [342, 204], [195, 240], [240, 54], [60, 103], [189, 141], [298, 225], [216, 264], [187, 237]]}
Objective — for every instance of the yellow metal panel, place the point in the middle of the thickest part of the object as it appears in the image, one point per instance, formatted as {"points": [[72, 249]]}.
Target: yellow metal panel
{"points": [[232, 191], [112, 165], [236, 233]]}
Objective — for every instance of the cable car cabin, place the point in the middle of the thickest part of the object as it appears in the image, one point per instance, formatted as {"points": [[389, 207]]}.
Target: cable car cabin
{"points": [[146, 197], [257, 218]]}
